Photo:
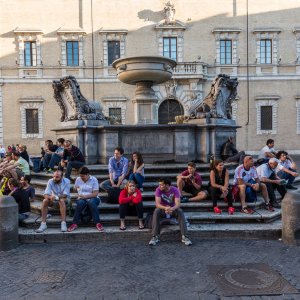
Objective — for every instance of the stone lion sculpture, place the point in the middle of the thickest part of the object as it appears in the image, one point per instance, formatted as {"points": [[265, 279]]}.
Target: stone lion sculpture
{"points": [[217, 104], [72, 103]]}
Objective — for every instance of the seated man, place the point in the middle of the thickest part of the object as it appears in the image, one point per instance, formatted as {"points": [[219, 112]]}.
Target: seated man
{"points": [[230, 154], [289, 169], [57, 193], [117, 168], [56, 157], [246, 180], [167, 201], [22, 149], [20, 166], [267, 151], [21, 198], [72, 158], [49, 149], [266, 173], [7, 167], [190, 181], [87, 187]]}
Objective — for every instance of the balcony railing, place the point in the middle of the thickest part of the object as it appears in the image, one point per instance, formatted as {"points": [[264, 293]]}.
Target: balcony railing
{"points": [[190, 70]]}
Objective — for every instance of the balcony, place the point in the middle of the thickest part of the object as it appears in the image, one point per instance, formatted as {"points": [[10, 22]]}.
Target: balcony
{"points": [[190, 70]]}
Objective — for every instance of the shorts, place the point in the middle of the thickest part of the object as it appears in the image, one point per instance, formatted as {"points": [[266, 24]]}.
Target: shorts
{"points": [[55, 203], [191, 190]]}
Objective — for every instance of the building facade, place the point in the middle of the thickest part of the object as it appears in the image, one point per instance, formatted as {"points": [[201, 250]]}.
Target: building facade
{"points": [[257, 42]]}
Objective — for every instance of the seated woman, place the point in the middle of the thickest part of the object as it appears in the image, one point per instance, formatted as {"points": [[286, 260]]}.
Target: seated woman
{"points": [[130, 196], [21, 198], [25, 184], [137, 169], [219, 186], [289, 170]]}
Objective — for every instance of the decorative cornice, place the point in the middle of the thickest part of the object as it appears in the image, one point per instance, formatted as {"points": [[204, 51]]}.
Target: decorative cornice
{"points": [[28, 31], [107, 31], [271, 29], [114, 99], [267, 97], [31, 99], [71, 31], [223, 29], [177, 25]]}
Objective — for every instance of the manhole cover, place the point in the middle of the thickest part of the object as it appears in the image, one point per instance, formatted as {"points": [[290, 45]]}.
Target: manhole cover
{"points": [[51, 277], [250, 279]]}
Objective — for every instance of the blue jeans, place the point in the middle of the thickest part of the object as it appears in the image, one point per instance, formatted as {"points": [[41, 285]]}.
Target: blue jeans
{"points": [[92, 206], [46, 160], [54, 161], [73, 164], [290, 178], [137, 178]]}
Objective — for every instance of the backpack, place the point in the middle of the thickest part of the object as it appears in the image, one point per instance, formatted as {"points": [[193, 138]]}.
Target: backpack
{"points": [[86, 215], [113, 195], [148, 221]]}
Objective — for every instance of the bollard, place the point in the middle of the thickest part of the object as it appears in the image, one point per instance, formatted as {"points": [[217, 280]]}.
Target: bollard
{"points": [[290, 207], [9, 222]]}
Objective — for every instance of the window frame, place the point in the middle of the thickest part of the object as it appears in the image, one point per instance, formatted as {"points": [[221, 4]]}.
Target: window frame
{"points": [[32, 120], [266, 51], [31, 53], [263, 123], [225, 47], [110, 55], [71, 60], [169, 46]]}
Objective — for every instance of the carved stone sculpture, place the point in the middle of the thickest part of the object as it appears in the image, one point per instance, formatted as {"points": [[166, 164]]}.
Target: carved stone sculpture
{"points": [[217, 104], [169, 11], [72, 103]]}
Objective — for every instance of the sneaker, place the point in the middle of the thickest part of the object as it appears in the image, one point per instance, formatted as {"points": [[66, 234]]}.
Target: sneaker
{"points": [[99, 227], [42, 228], [217, 210], [63, 226], [231, 210], [269, 207], [247, 210], [186, 240], [184, 199], [72, 227], [276, 204], [50, 171], [154, 240], [291, 187]]}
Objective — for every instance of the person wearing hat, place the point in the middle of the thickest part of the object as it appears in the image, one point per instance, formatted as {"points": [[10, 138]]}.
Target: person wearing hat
{"points": [[267, 174]]}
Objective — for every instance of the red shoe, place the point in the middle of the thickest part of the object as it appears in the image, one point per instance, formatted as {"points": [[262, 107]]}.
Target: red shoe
{"points": [[217, 210], [247, 210], [72, 227], [99, 227], [231, 210]]}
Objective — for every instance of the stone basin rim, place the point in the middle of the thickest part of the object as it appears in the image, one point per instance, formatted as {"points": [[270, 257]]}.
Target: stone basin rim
{"points": [[144, 59]]}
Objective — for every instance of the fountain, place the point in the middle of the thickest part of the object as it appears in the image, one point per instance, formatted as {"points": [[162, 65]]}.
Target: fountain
{"points": [[196, 137], [144, 71]]}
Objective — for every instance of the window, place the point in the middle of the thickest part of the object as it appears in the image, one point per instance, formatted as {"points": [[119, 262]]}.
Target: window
{"points": [[32, 121], [30, 57], [116, 114], [72, 54], [170, 47], [113, 51], [225, 52], [266, 51], [266, 117]]}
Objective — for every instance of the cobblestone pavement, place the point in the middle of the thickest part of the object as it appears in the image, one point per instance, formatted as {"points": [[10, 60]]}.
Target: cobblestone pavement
{"points": [[134, 270]]}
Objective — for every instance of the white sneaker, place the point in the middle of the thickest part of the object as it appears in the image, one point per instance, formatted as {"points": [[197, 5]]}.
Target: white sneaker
{"points": [[42, 228], [154, 240], [186, 240], [63, 226]]}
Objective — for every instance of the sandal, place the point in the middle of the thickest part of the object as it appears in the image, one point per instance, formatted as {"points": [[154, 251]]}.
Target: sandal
{"points": [[141, 227], [123, 228], [247, 210]]}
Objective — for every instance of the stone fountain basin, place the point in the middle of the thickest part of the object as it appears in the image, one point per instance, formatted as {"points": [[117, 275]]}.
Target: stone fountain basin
{"points": [[156, 69]]}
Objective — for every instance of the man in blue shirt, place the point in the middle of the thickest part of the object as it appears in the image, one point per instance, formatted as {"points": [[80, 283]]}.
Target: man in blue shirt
{"points": [[117, 168]]}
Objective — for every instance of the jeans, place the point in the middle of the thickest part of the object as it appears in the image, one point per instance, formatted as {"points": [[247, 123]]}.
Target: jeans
{"points": [[215, 193], [290, 178], [160, 213], [123, 210], [92, 206], [138, 179], [54, 161], [23, 216], [106, 185], [73, 164], [46, 160]]}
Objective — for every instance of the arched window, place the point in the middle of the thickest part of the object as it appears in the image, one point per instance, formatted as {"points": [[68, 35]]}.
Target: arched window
{"points": [[168, 110]]}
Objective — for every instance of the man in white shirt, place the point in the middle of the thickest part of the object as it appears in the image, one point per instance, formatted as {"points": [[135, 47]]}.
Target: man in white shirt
{"points": [[267, 175], [267, 151], [57, 193], [87, 187]]}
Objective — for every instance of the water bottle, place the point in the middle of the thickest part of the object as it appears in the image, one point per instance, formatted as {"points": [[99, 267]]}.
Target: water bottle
{"points": [[71, 209]]}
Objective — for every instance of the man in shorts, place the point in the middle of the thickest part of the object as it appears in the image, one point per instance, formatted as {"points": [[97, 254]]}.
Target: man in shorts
{"points": [[190, 181], [57, 193]]}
